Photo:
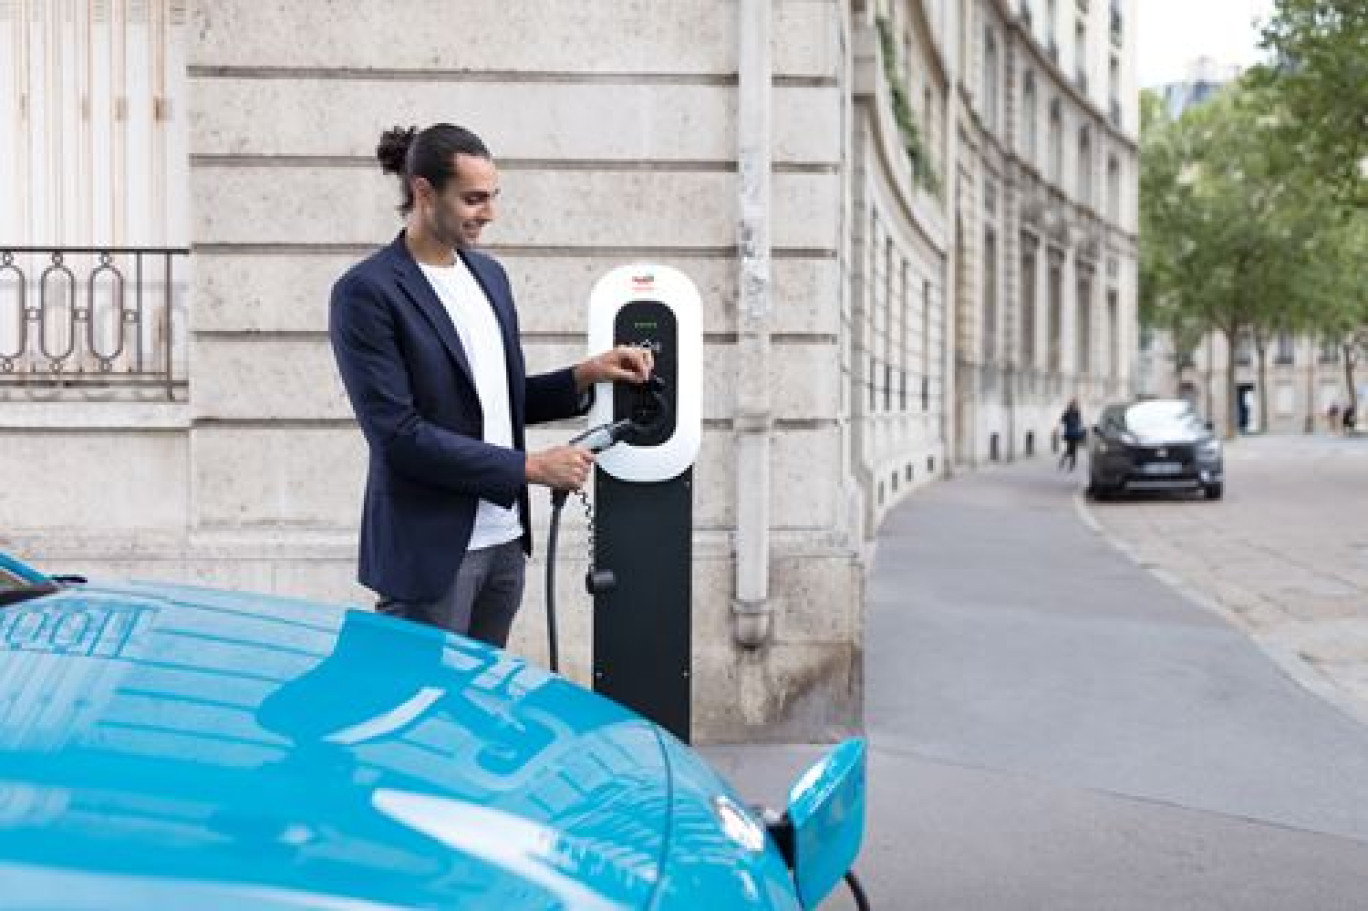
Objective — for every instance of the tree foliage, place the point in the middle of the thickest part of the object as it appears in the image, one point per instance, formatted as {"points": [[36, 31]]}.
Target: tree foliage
{"points": [[1236, 235], [1322, 80]]}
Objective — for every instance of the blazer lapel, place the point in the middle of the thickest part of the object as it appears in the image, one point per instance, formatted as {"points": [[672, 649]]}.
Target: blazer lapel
{"points": [[415, 285]]}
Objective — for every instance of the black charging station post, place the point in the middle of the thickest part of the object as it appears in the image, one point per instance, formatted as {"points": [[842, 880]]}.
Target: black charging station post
{"points": [[642, 628], [643, 493]]}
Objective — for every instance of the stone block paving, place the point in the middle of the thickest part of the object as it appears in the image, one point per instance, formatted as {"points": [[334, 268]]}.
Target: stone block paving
{"points": [[1284, 556]]}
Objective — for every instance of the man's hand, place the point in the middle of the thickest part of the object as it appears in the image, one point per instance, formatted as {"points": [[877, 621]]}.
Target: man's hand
{"points": [[625, 363], [560, 467]]}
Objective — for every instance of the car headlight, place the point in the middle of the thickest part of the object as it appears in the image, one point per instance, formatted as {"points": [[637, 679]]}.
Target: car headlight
{"points": [[738, 825], [1211, 449]]}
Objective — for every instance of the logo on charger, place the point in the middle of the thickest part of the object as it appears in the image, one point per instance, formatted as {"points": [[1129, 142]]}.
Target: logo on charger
{"points": [[644, 282]]}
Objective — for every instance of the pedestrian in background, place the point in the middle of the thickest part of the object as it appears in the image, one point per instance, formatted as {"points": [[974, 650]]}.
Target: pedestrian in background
{"points": [[426, 339], [1072, 419]]}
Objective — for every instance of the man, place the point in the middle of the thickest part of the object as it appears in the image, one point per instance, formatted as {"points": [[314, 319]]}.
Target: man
{"points": [[426, 339]]}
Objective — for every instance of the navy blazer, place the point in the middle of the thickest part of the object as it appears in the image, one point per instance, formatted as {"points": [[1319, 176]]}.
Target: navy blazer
{"points": [[411, 387]]}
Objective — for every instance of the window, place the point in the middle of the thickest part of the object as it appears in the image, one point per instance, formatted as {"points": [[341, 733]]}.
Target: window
{"points": [[1284, 353], [1028, 117], [1113, 335], [93, 141], [926, 345], [1286, 400], [1054, 326], [1056, 152], [1081, 54], [1113, 188], [1114, 89], [1083, 356], [904, 332], [1329, 351], [1085, 168], [990, 80], [892, 312], [928, 124], [990, 299], [1244, 348], [1028, 302]]}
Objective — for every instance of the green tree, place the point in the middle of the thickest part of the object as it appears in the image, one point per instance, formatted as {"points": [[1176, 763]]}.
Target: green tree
{"points": [[1228, 226], [1339, 289], [1322, 77], [1162, 222]]}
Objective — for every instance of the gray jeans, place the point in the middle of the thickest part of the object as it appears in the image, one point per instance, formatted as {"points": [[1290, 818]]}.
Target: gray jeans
{"points": [[482, 600]]}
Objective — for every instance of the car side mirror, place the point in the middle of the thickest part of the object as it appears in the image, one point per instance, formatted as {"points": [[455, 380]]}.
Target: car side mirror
{"points": [[825, 821]]}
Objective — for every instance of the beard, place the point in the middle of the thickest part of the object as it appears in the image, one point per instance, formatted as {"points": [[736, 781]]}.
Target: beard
{"points": [[450, 231]]}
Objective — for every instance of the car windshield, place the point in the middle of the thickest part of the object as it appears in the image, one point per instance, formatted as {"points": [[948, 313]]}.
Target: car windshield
{"points": [[1157, 419]]}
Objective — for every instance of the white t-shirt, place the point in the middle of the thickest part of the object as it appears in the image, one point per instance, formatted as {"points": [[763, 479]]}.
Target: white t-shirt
{"points": [[478, 327]]}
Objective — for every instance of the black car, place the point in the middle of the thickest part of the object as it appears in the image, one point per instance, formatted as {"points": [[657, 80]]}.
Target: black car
{"points": [[1154, 444]]}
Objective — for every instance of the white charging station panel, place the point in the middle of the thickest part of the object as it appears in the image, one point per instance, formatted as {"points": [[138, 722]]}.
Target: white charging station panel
{"points": [[656, 307]]}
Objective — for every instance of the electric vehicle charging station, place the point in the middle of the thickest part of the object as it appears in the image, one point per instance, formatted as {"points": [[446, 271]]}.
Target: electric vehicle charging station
{"points": [[643, 493]]}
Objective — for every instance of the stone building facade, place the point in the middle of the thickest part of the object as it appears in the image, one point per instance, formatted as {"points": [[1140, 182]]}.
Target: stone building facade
{"points": [[1294, 386], [867, 330], [1045, 211]]}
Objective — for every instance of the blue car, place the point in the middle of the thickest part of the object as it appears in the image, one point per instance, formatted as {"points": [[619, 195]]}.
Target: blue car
{"points": [[164, 746]]}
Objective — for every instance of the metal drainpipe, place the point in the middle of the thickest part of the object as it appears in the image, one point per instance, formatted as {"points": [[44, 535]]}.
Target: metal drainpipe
{"points": [[752, 612]]}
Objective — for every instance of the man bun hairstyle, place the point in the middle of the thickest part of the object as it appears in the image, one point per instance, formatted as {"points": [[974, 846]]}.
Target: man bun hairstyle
{"points": [[393, 149], [430, 153]]}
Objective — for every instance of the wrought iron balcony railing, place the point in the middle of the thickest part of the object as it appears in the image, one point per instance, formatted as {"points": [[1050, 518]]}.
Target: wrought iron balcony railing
{"points": [[101, 322]]}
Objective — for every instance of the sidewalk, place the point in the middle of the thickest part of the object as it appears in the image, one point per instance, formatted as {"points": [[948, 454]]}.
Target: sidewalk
{"points": [[1053, 727], [1284, 556]]}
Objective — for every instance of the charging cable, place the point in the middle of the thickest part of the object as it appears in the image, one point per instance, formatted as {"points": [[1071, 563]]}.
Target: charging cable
{"points": [[596, 440], [857, 891], [649, 411]]}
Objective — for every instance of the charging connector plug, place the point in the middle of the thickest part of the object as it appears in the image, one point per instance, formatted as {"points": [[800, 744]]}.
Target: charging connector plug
{"points": [[597, 439]]}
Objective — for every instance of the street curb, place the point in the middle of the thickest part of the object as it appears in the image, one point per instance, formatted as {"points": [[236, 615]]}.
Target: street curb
{"points": [[1283, 656]]}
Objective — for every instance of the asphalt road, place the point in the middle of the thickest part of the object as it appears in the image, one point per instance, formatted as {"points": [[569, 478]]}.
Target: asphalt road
{"points": [[1053, 727]]}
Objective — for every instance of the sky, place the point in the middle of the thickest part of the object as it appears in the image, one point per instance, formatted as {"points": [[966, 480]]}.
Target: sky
{"points": [[1173, 33]]}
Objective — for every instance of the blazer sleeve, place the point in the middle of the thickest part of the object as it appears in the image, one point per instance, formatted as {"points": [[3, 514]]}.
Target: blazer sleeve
{"points": [[552, 397], [365, 342]]}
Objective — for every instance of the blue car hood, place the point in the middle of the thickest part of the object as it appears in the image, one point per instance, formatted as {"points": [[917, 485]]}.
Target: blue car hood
{"points": [[172, 746]]}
